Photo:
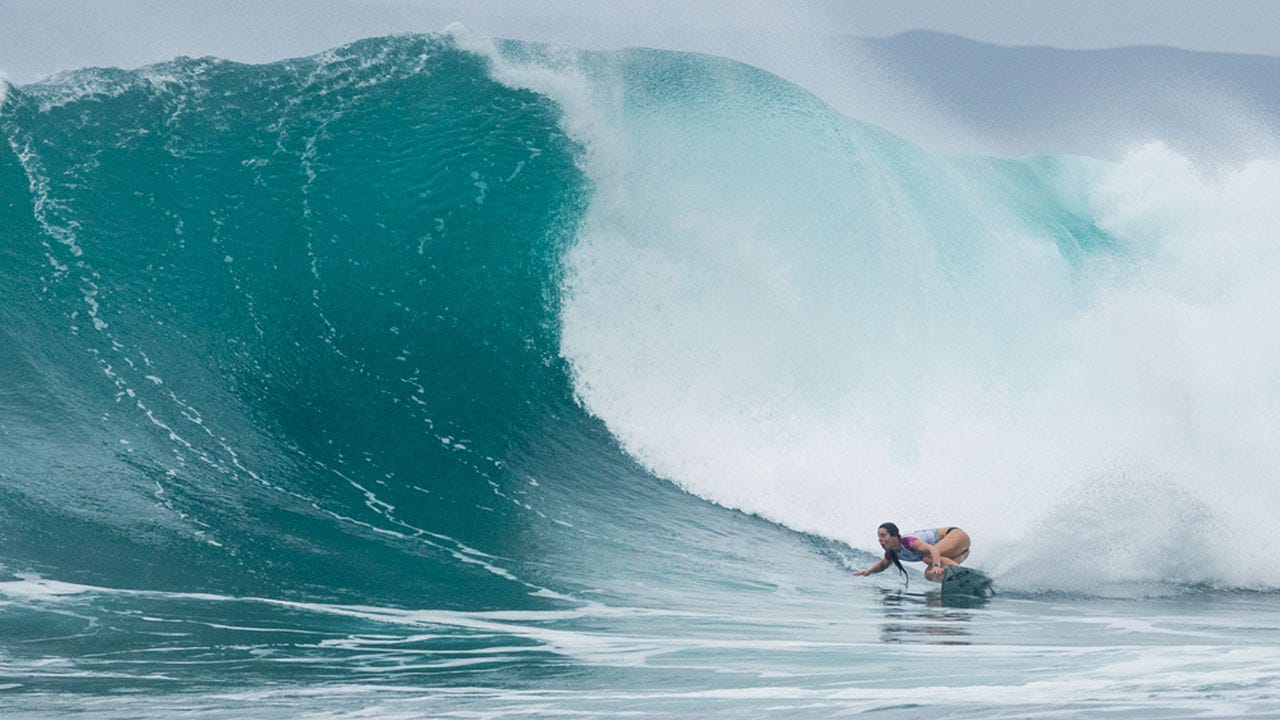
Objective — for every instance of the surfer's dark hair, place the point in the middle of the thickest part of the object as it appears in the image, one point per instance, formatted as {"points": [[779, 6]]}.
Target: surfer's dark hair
{"points": [[893, 555]]}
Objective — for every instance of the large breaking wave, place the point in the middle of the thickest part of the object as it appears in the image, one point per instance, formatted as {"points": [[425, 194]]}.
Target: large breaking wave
{"points": [[446, 322]]}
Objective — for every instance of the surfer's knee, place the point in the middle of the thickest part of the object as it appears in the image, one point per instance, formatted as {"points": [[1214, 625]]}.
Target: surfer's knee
{"points": [[961, 538], [955, 544]]}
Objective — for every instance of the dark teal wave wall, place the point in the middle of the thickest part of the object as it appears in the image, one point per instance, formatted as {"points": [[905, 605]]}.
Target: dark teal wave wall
{"points": [[292, 330], [263, 323]]}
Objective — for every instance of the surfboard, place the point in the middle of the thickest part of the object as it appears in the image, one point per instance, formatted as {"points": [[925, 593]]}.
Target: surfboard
{"points": [[962, 581]]}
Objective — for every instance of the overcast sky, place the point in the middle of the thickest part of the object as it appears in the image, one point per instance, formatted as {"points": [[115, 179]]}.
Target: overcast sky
{"points": [[38, 37]]}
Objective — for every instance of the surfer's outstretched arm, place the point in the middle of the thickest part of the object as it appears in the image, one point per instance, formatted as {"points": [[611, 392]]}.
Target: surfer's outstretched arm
{"points": [[878, 567]]}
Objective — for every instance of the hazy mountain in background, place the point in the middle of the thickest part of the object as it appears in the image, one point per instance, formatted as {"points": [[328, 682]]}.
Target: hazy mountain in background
{"points": [[1024, 100]]}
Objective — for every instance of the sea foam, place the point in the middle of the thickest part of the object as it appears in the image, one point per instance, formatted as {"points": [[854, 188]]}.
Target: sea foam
{"points": [[803, 317]]}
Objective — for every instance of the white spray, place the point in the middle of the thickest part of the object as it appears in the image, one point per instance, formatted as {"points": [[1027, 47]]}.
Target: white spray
{"points": [[798, 316]]}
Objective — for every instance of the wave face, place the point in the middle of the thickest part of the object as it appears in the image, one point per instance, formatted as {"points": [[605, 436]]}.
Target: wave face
{"points": [[804, 317], [283, 316], [427, 321]]}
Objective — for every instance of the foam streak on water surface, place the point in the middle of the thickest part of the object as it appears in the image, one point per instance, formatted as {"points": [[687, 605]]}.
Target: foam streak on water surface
{"points": [[356, 660]]}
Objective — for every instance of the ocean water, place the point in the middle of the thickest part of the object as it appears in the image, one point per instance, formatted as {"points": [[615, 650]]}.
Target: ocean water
{"points": [[438, 376]]}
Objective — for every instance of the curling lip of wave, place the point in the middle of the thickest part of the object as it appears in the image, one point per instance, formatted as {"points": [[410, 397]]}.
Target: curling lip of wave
{"points": [[776, 307]]}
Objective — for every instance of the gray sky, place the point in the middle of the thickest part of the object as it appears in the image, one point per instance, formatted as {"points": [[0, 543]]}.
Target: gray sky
{"points": [[38, 37]]}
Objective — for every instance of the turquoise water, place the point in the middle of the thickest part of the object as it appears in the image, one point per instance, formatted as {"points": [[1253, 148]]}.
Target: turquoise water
{"points": [[813, 649], [437, 377]]}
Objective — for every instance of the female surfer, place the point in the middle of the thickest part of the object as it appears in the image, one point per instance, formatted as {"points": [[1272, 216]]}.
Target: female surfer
{"points": [[938, 547]]}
